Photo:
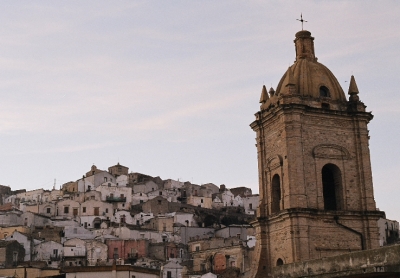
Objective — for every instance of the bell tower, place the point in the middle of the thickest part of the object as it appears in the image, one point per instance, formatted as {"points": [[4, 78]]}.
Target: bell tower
{"points": [[315, 179]]}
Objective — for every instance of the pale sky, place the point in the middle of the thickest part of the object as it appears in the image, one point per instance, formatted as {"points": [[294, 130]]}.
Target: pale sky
{"points": [[169, 88]]}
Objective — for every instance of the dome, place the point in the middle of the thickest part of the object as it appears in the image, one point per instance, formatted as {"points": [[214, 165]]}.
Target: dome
{"points": [[306, 76]]}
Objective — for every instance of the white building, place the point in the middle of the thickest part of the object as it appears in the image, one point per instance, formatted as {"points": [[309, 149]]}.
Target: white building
{"points": [[25, 241], [49, 251]]}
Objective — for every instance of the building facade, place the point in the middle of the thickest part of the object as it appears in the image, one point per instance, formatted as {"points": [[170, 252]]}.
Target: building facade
{"points": [[315, 179]]}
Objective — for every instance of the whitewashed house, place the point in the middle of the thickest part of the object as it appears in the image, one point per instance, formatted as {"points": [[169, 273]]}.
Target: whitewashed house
{"points": [[25, 241], [49, 251], [140, 218], [74, 252], [144, 187], [172, 184], [94, 212], [77, 232], [139, 198], [122, 217], [67, 209], [96, 252], [250, 204], [119, 196], [172, 269]]}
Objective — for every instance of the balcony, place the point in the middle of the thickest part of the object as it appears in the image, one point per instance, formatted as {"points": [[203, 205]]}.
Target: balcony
{"points": [[113, 199], [55, 257]]}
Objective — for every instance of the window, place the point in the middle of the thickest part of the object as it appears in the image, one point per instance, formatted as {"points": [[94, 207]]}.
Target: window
{"points": [[106, 210], [141, 201], [160, 193], [55, 252], [279, 262], [48, 210], [332, 187], [201, 200], [250, 206], [197, 248], [96, 211], [75, 211], [123, 204], [66, 209], [164, 227], [324, 91], [105, 179], [169, 274], [238, 235], [159, 202], [83, 209], [92, 197], [15, 257], [276, 194]]}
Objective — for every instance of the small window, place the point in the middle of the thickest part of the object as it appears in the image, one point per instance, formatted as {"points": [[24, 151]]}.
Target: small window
{"points": [[325, 105], [160, 193], [159, 202], [106, 210], [66, 209], [324, 91], [83, 209], [279, 262], [48, 210]]}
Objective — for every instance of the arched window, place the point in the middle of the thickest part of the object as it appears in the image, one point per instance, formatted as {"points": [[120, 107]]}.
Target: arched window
{"points": [[324, 91], [279, 262], [332, 187], [276, 194]]}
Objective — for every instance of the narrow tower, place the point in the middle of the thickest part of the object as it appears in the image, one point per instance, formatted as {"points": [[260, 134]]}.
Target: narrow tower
{"points": [[316, 193]]}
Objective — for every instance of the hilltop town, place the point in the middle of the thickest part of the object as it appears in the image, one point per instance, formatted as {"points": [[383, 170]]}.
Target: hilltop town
{"points": [[119, 218]]}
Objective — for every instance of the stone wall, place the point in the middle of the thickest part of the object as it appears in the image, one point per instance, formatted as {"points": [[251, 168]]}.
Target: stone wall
{"points": [[385, 260]]}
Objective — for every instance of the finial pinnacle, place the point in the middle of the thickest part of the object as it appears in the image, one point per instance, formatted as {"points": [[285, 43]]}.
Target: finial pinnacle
{"points": [[302, 21]]}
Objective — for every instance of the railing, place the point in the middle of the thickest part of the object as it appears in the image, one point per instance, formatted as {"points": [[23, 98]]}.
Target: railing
{"points": [[115, 199], [55, 257]]}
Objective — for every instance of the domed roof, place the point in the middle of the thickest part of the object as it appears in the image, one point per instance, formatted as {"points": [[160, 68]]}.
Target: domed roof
{"points": [[306, 76]]}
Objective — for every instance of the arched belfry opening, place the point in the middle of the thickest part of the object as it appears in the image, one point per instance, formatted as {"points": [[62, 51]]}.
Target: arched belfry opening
{"points": [[332, 187], [276, 194]]}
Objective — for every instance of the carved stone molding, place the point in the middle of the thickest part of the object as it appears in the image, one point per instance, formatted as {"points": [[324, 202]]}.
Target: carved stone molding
{"points": [[331, 151], [274, 162]]}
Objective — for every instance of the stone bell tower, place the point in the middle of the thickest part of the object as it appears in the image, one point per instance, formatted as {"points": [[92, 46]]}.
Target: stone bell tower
{"points": [[316, 193]]}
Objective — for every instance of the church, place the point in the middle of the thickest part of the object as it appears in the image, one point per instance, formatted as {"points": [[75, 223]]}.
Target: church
{"points": [[315, 179]]}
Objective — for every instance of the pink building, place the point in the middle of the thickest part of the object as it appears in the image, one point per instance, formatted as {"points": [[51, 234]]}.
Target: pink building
{"points": [[127, 249]]}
